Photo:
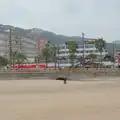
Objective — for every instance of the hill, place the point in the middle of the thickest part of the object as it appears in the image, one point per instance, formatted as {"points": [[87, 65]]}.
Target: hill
{"points": [[39, 33]]}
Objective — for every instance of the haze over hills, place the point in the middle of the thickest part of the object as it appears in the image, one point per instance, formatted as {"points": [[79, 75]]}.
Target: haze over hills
{"points": [[39, 33]]}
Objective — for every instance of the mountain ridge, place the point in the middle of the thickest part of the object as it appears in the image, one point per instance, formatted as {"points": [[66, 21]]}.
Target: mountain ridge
{"points": [[40, 33]]}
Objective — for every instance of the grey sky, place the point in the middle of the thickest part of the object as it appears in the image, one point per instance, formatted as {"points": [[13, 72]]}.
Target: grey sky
{"points": [[97, 18]]}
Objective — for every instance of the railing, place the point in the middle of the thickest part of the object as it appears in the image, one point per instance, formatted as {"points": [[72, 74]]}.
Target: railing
{"points": [[71, 74]]}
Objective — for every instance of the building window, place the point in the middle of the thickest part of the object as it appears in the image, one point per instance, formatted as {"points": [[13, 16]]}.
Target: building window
{"points": [[62, 52], [63, 47], [106, 50], [79, 46], [16, 42], [87, 51], [81, 51], [67, 52], [91, 51], [90, 46]]}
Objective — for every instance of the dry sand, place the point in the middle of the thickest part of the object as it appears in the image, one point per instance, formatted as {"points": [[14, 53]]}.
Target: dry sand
{"points": [[52, 100]]}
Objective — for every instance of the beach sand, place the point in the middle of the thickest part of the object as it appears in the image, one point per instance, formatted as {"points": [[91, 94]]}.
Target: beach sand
{"points": [[52, 100]]}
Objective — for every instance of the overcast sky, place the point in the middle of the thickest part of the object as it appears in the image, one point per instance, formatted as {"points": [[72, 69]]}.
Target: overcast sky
{"points": [[96, 18]]}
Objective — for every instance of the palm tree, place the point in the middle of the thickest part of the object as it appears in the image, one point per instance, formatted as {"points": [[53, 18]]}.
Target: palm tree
{"points": [[54, 54], [46, 54], [50, 52], [100, 46]]}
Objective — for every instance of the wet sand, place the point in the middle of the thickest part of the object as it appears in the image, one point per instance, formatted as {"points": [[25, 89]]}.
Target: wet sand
{"points": [[52, 100]]}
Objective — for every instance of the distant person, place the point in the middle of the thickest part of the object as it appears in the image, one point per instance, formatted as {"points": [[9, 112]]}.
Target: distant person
{"points": [[65, 80]]}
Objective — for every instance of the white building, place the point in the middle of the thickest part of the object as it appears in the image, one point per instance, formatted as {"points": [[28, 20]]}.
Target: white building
{"points": [[82, 50], [117, 58]]}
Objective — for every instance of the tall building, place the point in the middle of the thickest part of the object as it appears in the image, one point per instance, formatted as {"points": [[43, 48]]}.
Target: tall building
{"points": [[29, 48], [111, 49], [24, 45], [4, 48]]}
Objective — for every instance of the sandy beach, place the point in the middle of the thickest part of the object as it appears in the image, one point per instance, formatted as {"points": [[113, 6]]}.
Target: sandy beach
{"points": [[52, 100]]}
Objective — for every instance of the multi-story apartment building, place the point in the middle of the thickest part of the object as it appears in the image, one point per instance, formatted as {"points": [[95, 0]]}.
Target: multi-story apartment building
{"points": [[4, 48], [19, 44], [82, 51], [29, 48]]}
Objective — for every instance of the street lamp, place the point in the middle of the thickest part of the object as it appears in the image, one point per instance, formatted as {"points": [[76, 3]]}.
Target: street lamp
{"points": [[10, 47]]}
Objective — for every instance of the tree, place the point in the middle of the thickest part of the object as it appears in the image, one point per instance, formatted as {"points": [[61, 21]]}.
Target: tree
{"points": [[109, 58], [53, 50], [50, 53], [18, 58], [58, 53], [46, 54], [3, 61], [72, 50], [93, 57], [100, 45]]}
